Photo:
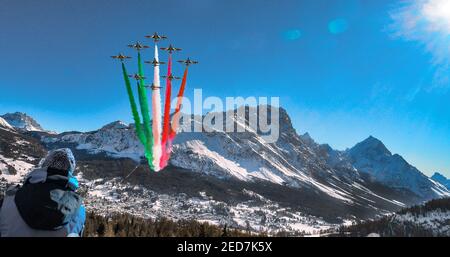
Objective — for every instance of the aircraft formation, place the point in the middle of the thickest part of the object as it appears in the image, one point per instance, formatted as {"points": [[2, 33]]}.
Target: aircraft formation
{"points": [[155, 134]]}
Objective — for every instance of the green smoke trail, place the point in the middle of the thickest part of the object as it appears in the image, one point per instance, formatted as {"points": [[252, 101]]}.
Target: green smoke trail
{"points": [[143, 100], [137, 119]]}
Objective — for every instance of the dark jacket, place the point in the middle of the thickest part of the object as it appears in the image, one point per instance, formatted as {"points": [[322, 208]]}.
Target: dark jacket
{"points": [[13, 225]]}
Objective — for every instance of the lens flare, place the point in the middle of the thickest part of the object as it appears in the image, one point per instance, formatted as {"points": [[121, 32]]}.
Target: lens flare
{"points": [[292, 35], [337, 26]]}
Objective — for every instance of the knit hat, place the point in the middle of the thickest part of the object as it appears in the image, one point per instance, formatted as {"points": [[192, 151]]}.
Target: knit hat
{"points": [[60, 159]]}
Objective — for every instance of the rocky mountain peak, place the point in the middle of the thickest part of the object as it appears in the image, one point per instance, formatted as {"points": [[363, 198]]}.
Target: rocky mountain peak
{"points": [[22, 121], [370, 147], [372, 157], [438, 177], [307, 139], [115, 125]]}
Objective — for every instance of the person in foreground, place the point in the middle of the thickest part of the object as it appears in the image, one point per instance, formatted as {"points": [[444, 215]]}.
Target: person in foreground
{"points": [[46, 205]]}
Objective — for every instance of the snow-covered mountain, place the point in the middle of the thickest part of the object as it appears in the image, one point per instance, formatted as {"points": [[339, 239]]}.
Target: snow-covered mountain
{"points": [[22, 121], [372, 157], [294, 184], [438, 177], [294, 160], [116, 140], [246, 156]]}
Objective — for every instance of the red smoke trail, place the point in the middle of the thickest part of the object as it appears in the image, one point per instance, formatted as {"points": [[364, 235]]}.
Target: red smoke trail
{"points": [[176, 116], [166, 122]]}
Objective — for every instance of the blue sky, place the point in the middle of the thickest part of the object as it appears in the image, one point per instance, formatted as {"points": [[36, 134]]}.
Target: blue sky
{"points": [[344, 69]]}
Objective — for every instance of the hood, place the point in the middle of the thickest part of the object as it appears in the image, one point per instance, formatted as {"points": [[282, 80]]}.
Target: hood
{"points": [[60, 161]]}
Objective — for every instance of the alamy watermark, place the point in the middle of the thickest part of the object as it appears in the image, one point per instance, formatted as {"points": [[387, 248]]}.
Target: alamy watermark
{"points": [[236, 114]]}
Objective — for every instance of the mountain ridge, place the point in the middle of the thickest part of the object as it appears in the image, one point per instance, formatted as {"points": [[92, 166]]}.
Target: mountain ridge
{"points": [[4, 124], [234, 170], [110, 139], [438, 177], [22, 121]]}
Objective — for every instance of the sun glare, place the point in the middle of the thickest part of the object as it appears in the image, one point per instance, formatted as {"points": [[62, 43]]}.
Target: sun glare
{"points": [[437, 12]]}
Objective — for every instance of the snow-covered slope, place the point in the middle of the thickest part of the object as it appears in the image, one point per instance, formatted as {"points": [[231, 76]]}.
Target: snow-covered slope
{"points": [[438, 177], [22, 121], [372, 157], [5, 125], [18, 154], [294, 160], [246, 156], [116, 140]]}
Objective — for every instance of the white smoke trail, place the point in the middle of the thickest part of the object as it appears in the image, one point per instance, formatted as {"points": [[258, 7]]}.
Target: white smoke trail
{"points": [[156, 109]]}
